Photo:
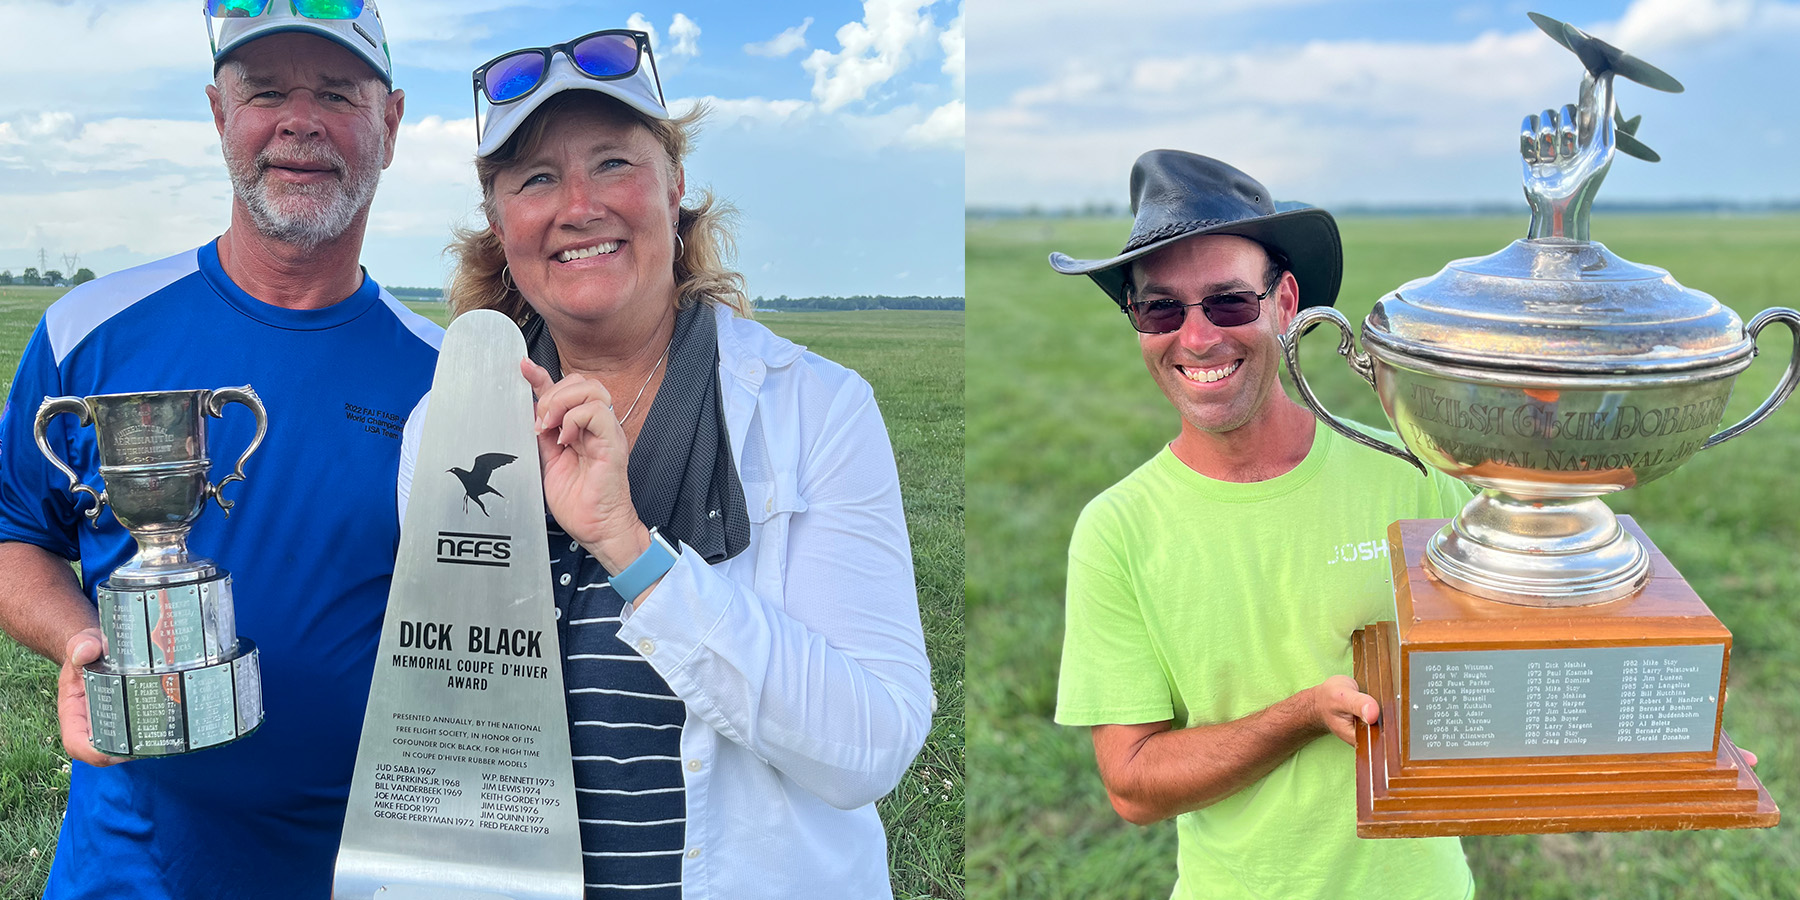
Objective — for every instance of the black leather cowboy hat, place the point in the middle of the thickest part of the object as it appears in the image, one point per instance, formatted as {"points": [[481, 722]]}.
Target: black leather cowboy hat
{"points": [[1177, 195]]}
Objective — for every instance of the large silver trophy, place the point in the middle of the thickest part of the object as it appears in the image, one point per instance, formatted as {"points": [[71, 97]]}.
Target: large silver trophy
{"points": [[1553, 372], [175, 676], [1547, 668]]}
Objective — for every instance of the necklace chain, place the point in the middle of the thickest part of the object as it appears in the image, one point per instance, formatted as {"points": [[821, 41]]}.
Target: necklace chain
{"points": [[640, 394]]}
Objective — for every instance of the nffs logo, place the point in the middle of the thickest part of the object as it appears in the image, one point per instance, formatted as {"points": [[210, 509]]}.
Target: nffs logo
{"points": [[469, 548]]}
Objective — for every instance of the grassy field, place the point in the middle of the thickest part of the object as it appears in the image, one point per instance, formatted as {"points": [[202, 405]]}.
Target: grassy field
{"points": [[914, 361], [1060, 407]]}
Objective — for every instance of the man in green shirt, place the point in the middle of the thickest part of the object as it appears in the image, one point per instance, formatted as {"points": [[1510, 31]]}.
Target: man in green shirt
{"points": [[1212, 593]]}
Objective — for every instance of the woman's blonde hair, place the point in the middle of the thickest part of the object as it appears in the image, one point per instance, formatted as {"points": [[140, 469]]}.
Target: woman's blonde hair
{"points": [[702, 270]]}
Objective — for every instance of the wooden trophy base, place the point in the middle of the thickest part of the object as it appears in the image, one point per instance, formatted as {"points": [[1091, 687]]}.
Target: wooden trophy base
{"points": [[1584, 779]]}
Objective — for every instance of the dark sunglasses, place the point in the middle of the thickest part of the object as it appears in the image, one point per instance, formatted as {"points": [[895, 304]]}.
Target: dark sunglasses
{"points": [[309, 9], [603, 56], [1227, 310]]}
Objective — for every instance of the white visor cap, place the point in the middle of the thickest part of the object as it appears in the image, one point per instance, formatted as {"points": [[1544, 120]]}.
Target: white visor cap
{"points": [[637, 90], [362, 35]]}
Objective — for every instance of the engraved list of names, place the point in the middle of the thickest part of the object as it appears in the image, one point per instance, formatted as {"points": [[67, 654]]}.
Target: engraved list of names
{"points": [[1569, 701]]}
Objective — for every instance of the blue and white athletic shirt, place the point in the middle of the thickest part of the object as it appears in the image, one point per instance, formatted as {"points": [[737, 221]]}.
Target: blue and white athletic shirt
{"points": [[625, 734], [309, 545]]}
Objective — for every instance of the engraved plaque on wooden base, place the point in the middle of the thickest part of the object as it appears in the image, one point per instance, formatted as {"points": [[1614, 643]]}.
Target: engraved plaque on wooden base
{"points": [[1505, 719]]}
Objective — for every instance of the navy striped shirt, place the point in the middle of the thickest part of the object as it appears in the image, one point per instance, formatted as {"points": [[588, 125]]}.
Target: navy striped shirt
{"points": [[625, 731]]}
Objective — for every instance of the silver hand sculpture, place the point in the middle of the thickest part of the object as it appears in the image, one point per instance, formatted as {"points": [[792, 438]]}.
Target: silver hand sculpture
{"points": [[1568, 152]]}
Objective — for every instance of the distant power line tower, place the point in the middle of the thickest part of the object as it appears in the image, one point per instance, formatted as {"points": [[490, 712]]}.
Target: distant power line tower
{"points": [[43, 260], [71, 262]]}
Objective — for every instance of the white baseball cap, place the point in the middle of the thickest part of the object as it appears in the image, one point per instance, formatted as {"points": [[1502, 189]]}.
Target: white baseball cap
{"points": [[354, 24], [619, 64]]}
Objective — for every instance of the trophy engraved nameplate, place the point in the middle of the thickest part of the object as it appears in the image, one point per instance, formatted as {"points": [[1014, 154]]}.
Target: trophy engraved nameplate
{"points": [[464, 787], [175, 676], [1548, 669]]}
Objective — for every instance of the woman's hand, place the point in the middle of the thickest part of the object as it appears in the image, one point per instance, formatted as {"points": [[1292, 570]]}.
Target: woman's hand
{"points": [[585, 453]]}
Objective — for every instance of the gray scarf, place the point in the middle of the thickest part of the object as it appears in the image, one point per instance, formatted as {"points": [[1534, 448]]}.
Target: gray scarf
{"points": [[683, 482]]}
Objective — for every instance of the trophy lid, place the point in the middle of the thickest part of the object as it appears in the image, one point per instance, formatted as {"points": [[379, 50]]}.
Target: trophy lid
{"points": [[1557, 305], [1555, 302]]}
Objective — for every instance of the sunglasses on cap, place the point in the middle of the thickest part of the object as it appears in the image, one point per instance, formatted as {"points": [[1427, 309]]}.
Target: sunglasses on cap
{"points": [[612, 55], [306, 9], [1227, 310]]}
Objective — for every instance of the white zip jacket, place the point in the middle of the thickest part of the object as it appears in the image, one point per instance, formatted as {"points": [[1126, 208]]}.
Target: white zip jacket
{"points": [[801, 660]]}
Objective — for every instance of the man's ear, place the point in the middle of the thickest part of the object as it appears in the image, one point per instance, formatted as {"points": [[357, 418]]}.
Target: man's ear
{"points": [[1287, 300], [392, 111], [216, 101]]}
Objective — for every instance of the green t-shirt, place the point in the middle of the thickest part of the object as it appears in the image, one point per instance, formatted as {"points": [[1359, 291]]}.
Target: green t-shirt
{"points": [[1202, 601]]}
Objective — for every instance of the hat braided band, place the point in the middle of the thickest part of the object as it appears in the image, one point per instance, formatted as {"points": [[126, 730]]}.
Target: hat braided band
{"points": [[1168, 230]]}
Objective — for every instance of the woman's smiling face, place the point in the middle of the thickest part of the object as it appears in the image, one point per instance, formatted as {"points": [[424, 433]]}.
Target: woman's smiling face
{"points": [[587, 217]]}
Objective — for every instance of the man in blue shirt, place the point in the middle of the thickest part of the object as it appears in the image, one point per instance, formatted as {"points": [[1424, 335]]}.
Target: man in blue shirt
{"points": [[307, 119]]}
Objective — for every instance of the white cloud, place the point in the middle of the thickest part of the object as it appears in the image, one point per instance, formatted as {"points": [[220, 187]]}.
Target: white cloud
{"points": [[903, 126], [151, 217], [1318, 119], [874, 50], [442, 35], [431, 185], [1018, 36], [1651, 25], [156, 186], [782, 44], [952, 41], [686, 33], [45, 37], [637, 22], [59, 143], [729, 111], [943, 128], [151, 186]]}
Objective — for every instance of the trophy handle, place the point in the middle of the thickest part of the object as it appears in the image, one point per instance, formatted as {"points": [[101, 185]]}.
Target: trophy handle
{"points": [[215, 407], [1791, 319], [1359, 363], [51, 408]]}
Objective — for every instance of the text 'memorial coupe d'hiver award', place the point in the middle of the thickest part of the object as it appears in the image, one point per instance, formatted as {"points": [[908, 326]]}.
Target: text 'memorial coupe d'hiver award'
{"points": [[464, 788], [175, 676], [1548, 669]]}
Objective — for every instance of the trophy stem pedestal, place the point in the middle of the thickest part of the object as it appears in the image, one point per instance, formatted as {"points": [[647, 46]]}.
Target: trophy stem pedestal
{"points": [[1502, 719]]}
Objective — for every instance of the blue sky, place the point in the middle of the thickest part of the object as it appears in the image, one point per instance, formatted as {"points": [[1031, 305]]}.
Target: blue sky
{"points": [[1335, 102], [837, 131]]}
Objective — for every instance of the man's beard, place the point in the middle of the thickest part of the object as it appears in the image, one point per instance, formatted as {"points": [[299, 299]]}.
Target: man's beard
{"points": [[305, 215]]}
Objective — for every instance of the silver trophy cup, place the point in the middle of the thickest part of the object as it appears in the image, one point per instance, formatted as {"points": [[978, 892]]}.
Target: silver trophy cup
{"points": [[1552, 373], [175, 676]]}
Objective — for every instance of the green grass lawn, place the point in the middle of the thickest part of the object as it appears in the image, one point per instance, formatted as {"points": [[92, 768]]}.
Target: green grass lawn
{"points": [[1060, 407], [915, 362]]}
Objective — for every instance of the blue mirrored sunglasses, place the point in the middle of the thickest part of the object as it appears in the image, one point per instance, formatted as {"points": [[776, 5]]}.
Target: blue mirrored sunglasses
{"points": [[308, 9], [603, 56]]}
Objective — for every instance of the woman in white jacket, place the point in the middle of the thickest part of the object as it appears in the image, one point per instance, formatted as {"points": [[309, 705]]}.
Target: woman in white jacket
{"points": [[741, 641]]}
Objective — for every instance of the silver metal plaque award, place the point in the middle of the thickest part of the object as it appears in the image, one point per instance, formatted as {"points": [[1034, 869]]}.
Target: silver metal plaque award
{"points": [[464, 788], [175, 676]]}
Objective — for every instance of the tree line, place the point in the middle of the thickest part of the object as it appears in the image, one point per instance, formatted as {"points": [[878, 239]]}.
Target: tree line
{"points": [[51, 278], [782, 302], [860, 302]]}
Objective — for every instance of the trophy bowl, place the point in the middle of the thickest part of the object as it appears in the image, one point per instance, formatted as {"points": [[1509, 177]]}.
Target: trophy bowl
{"points": [[1547, 375], [1552, 372], [148, 499]]}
